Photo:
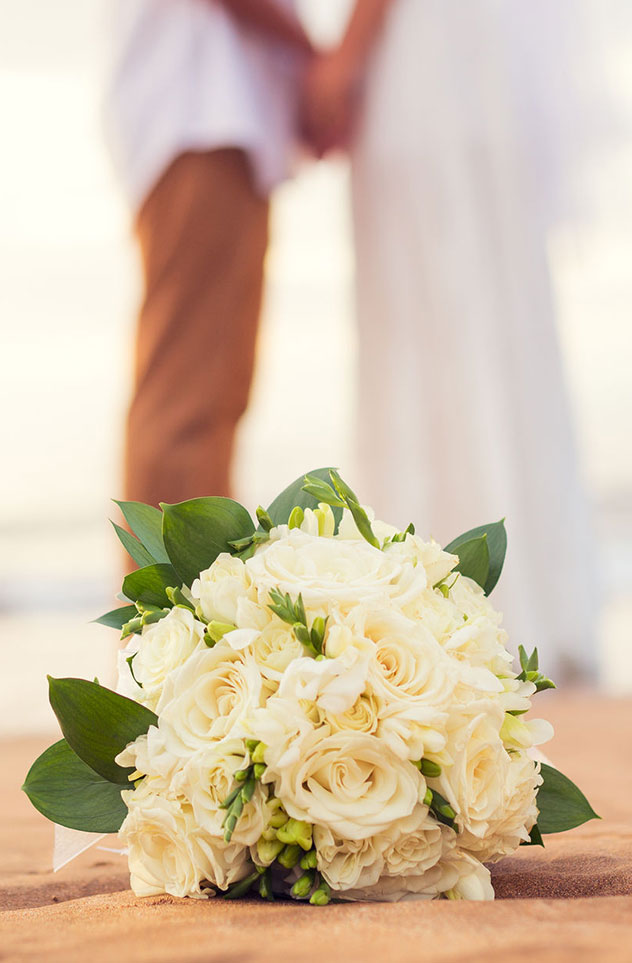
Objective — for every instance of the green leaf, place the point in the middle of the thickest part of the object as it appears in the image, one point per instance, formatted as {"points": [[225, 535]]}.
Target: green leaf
{"points": [[195, 532], [562, 805], [98, 723], [496, 546], [133, 547], [146, 523], [292, 496], [149, 584], [474, 559], [535, 837], [117, 618], [70, 793]]}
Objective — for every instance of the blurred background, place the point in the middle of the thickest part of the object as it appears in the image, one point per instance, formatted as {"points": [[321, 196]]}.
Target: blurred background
{"points": [[68, 292]]}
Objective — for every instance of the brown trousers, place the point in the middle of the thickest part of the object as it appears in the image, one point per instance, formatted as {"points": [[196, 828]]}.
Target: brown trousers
{"points": [[203, 236]]}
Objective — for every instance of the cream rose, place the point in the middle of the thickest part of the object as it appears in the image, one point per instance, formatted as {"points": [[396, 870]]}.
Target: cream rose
{"points": [[331, 571], [207, 779], [415, 844], [348, 863], [346, 781], [162, 647], [414, 680], [205, 699], [167, 851], [492, 792], [220, 588], [275, 648], [515, 815], [362, 716]]}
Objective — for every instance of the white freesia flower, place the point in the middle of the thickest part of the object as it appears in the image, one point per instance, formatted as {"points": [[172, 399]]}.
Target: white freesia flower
{"points": [[240, 639], [437, 564], [333, 684], [220, 587], [162, 647], [281, 726], [209, 695], [349, 530], [346, 781], [151, 755]]}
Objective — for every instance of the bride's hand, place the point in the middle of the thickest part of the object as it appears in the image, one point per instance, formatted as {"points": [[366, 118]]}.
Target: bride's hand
{"points": [[329, 101]]}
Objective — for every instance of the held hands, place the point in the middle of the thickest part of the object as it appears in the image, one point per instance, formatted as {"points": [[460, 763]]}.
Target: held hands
{"points": [[330, 101]]}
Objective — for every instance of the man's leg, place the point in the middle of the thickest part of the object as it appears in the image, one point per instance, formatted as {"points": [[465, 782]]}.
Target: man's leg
{"points": [[203, 235]]}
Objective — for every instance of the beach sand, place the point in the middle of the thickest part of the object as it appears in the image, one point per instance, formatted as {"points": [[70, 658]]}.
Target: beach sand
{"points": [[569, 902]]}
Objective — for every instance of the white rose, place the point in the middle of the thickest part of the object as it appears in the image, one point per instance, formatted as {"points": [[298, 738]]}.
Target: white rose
{"points": [[457, 876], [205, 699], [330, 571], [207, 779], [167, 851], [414, 679], [473, 881], [220, 588], [415, 844], [161, 648], [515, 816], [347, 863], [275, 648], [362, 716], [348, 782], [492, 792]]}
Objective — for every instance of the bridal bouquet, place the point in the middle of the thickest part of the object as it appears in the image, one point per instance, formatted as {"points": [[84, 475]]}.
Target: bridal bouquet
{"points": [[320, 707]]}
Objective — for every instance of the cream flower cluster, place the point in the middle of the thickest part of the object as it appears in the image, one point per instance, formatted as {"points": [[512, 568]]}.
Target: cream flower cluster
{"points": [[396, 761]]}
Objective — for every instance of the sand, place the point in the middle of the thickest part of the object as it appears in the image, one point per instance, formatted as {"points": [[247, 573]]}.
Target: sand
{"points": [[569, 902]]}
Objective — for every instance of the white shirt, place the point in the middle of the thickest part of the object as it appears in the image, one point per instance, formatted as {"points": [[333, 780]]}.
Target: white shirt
{"points": [[188, 76]]}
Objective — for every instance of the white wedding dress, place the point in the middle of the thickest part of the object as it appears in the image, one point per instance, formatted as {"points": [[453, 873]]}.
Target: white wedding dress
{"points": [[463, 416]]}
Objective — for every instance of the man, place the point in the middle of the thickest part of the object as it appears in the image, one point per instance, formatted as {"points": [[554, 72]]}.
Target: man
{"points": [[201, 114]]}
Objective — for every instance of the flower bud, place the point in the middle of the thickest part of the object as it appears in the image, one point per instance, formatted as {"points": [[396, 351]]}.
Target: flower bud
{"points": [[296, 831], [257, 753], [217, 630], [296, 517], [322, 895], [303, 885], [268, 850], [430, 769], [289, 856], [309, 860], [258, 769]]}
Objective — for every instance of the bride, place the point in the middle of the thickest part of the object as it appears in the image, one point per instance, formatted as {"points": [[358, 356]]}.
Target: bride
{"points": [[462, 410]]}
